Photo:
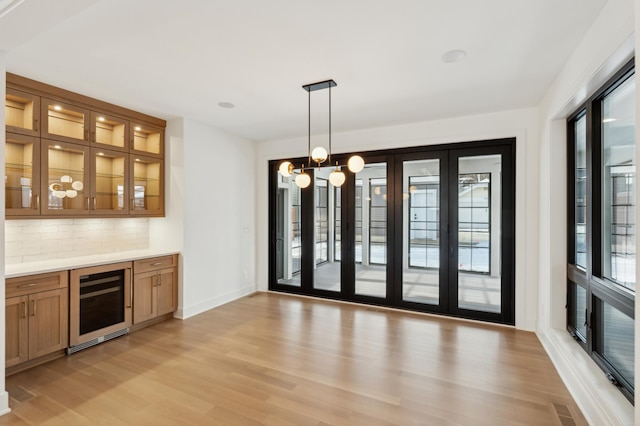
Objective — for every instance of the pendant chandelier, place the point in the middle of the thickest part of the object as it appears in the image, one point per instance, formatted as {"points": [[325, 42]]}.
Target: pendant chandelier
{"points": [[319, 154]]}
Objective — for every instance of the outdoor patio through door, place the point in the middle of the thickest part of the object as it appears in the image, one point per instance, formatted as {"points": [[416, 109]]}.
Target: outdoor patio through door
{"points": [[428, 229]]}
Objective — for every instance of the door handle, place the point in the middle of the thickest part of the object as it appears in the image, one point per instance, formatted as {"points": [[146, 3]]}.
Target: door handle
{"points": [[33, 308]]}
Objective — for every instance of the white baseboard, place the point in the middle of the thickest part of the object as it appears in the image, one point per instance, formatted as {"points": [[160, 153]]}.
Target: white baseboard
{"points": [[601, 403], [4, 403], [205, 305]]}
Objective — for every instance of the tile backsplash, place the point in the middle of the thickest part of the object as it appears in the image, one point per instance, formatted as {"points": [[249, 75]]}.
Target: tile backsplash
{"points": [[38, 240]]}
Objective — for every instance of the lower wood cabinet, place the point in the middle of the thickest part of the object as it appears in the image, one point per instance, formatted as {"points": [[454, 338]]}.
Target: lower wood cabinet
{"points": [[36, 316], [155, 287]]}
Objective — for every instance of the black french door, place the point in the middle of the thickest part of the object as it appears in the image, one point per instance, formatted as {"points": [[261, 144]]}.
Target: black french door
{"points": [[429, 229]]}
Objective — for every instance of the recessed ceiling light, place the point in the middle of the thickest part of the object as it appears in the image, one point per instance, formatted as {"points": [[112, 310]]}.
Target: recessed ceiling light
{"points": [[57, 107], [454, 56], [100, 118], [226, 105], [137, 128]]}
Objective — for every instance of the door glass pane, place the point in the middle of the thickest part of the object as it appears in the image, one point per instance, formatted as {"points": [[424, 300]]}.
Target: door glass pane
{"points": [[619, 176], [371, 231], [321, 217], [327, 273], [581, 192], [359, 201], [479, 275], [64, 120], [618, 341], [421, 231], [288, 231], [18, 181], [109, 181], [337, 227], [109, 130], [147, 189], [66, 186]]}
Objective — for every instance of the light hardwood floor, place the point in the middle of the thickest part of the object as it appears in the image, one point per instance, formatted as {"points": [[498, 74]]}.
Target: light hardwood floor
{"points": [[283, 360]]}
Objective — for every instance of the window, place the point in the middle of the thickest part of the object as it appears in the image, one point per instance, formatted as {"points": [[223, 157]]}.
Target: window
{"points": [[322, 220], [378, 222], [601, 244]]}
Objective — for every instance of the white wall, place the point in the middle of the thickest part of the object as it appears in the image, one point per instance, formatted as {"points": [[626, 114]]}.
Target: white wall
{"points": [[4, 396], [521, 124], [219, 218], [607, 45]]}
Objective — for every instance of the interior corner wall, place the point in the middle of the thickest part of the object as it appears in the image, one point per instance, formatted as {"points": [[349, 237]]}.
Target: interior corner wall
{"points": [[606, 46], [167, 233], [4, 396], [219, 218], [521, 124]]}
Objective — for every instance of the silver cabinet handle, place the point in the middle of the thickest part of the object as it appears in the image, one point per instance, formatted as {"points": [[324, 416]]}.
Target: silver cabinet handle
{"points": [[130, 289], [27, 285]]}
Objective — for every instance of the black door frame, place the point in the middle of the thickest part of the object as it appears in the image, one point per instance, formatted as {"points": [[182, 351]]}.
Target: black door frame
{"points": [[448, 155]]}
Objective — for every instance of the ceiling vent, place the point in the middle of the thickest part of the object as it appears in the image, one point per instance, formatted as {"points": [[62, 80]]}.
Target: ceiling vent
{"points": [[7, 6]]}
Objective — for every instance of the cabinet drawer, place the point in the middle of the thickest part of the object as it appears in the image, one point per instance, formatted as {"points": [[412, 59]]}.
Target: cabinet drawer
{"points": [[36, 283], [154, 263]]}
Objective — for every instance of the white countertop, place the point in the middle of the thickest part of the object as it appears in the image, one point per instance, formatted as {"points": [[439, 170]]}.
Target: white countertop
{"points": [[53, 265]]}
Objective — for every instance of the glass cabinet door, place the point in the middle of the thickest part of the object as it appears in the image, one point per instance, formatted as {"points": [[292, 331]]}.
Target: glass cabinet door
{"points": [[64, 122], [22, 175], [109, 131], [65, 178], [147, 140], [147, 190], [22, 112], [109, 192]]}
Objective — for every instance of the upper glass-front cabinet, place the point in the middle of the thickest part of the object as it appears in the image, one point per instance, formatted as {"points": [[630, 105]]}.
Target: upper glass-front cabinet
{"points": [[147, 189], [109, 131], [64, 122], [22, 175], [109, 191], [22, 112], [65, 179], [147, 140]]}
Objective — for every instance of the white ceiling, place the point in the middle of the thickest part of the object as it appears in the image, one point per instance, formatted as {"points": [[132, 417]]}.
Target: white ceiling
{"points": [[180, 58]]}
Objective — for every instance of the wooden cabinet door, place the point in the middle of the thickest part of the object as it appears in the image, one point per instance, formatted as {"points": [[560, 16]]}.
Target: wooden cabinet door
{"points": [[144, 296], [16, 331], [146, 186], [22, 175], [22, 111], [109, 182], [146, 140], [167, 291], [65, 122], [66, 179], [48, 322], [110, 132]]}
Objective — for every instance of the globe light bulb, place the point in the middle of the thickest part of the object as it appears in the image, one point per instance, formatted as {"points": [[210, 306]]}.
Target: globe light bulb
{"points": [[303, 180], [337, 177], [286, 168], [319, 154], [355, 164]]}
